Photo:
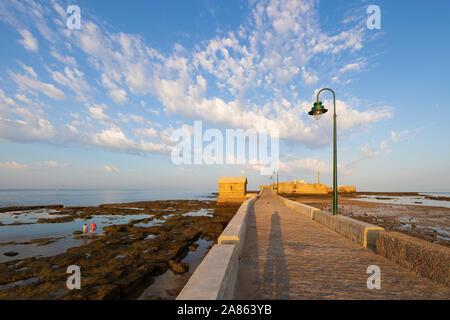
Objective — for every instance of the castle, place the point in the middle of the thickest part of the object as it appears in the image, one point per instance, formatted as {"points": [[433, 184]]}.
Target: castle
{"points": [[302, 187], [234, 190]]}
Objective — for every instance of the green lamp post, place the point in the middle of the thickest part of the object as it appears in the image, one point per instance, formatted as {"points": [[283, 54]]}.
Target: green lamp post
{"points": [[273, 179], [277, 181], [316, 111]]}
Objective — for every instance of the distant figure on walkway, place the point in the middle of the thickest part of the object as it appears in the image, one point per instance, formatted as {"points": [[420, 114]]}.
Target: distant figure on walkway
{"points": [[85, 229], [93, 227]]}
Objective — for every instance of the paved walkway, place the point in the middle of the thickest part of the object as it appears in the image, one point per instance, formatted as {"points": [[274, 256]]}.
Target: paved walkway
{"points": [[289, 256]]}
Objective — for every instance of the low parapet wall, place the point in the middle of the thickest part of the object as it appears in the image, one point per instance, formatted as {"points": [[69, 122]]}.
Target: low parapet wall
{"points": [[363, 233], [427, 259], [215, 278], [298, 207], [234, 232]]}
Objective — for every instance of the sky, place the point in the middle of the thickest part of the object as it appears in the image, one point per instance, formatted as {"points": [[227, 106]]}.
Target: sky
{"points": [[97, 107]]}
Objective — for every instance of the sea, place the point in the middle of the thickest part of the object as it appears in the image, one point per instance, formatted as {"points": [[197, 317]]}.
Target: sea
{"points": [[419, 200], [94, 197], [20, 234]]}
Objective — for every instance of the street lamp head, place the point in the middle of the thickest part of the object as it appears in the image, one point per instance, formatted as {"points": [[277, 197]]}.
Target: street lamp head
{"points": [[317, 110]]}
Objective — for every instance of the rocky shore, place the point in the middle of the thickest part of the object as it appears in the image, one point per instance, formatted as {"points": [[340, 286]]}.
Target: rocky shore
{"points": [[123, 260]]}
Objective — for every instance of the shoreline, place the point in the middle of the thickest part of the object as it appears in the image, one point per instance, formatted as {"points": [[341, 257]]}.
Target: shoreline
{"points": [[149, 249], [124, 260]]}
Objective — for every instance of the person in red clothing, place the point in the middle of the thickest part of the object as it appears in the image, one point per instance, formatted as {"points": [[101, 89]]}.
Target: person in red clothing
{"points": [[93, 227]]}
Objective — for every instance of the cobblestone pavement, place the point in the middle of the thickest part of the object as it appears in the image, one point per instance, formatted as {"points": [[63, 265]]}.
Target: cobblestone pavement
{"points": [[288, 256]]}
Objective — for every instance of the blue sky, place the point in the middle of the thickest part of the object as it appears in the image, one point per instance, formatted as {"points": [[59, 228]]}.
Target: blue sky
{"points": [[96, 107]]}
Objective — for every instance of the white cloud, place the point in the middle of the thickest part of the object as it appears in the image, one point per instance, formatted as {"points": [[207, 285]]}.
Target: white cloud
{"points": [[28, 42], [61, 12], [308, 77], [51, 163], [23, 98], [112, 138], [154, 111], [352, 67], [309, 164], [67, 60], [48, 89], [111, 169], [74, 80], [119, 96], [369, 152], [398, 136], [126, 118], [146, 132], [7, 100], [97, 111], [12, 165], [275, 51], [235, 80], [24, 125], [30, 70]]}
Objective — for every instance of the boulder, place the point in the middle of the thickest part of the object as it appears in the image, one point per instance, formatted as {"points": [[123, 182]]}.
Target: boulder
{"points": [[180, 267], [173, 292], [11, 254]]}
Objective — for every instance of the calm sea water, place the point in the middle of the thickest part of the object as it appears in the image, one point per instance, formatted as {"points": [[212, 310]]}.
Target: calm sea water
{"points": [[436, 194], [94, 197], [419, 200]]}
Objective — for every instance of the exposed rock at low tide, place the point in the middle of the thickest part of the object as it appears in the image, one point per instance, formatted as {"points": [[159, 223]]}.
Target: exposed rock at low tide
{"points": [[11, 254], [123, 261], [178, 267], [173, 292]]}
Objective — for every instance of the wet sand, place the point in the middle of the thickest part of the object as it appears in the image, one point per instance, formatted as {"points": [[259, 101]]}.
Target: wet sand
{"points": [[151, 256], [431, 223]]}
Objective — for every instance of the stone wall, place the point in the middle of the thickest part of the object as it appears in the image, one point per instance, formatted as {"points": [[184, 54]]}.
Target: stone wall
{"points": [[343, 189], [298, 188], [215, 278], [232, 190], [426, 259]]}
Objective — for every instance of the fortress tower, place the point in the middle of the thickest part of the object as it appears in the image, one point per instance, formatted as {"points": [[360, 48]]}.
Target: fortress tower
{"points": [[232, 189]]}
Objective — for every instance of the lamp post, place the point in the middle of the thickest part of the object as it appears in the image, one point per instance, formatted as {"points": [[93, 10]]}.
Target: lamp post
{"points": [[273, 185], [316, 111], [277, 181]]}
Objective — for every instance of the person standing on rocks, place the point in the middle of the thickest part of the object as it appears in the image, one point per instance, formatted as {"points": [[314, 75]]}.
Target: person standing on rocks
{"points": [[85, 229], [93, 227]]}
